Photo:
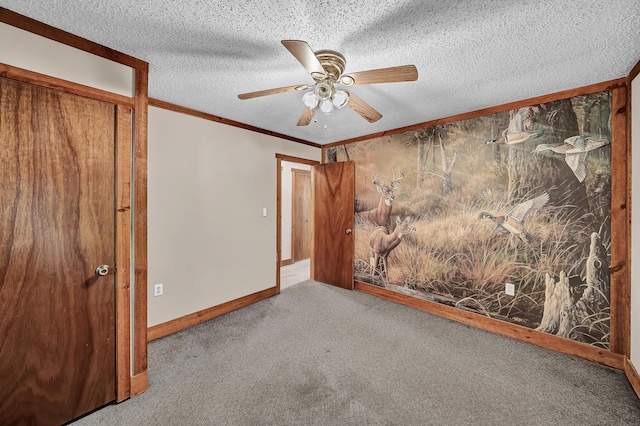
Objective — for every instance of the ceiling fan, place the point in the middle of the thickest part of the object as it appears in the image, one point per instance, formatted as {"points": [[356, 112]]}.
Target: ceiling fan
{"points": [[326, 67]]}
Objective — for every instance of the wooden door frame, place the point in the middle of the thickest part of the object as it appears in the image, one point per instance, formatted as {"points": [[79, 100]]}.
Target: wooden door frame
{"points": [[131, 193], [279, 159], [293, 205]]}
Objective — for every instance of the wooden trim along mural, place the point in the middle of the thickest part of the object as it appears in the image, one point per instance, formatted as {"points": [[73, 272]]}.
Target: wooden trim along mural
{"points": [[507, 215]]}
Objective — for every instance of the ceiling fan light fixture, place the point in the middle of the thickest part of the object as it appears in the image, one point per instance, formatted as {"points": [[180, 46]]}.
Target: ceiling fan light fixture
{"points": [[340, 98], [323, 91], [326, 107], [347, 80], [310, 100]]}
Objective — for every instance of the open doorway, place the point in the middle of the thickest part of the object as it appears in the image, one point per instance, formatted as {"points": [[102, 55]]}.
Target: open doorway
{"points": [[294, 209]]}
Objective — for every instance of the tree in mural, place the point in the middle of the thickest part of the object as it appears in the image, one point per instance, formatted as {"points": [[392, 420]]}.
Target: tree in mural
{"points": [[426, 145], [424, 139], [528, 175]]}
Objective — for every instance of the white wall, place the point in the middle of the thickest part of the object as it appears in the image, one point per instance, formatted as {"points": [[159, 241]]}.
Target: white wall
{"points": [[286, 200], [208, 242], [29, 51], [635, 222]]}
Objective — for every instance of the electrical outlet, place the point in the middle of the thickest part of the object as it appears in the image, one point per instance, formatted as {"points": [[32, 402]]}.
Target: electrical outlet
{"points": [[510, 289], [157, 290]]}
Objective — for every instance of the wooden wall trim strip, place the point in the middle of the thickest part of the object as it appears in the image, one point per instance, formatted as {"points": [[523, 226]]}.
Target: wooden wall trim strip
{"points": [[139, 383], [195, 113], [25, 23], [548, 341], [278, 221], [31, 77], [178, 324], [607, 85], [620, 295], [140, 224], [632, 375], [124, 141]]}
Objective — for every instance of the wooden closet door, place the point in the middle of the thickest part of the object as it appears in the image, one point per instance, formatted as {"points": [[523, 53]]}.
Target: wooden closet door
{"points": [[57, 198]]}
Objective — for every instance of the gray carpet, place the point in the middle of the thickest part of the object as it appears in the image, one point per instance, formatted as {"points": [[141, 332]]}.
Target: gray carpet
{"points": [[320, 355]]}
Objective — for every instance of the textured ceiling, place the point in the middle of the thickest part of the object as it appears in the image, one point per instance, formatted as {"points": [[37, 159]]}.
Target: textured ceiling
{"points": [[469, 54]]}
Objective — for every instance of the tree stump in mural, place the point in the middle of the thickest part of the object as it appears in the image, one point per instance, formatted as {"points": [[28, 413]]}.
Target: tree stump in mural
{"points": [[581, 316]]}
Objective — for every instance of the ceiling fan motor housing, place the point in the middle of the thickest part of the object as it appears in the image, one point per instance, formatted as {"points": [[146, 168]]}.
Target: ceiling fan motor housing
{"points": [[333, 63]]}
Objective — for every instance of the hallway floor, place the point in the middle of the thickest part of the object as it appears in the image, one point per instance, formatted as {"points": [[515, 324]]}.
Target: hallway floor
{"points": [[295, 273]]}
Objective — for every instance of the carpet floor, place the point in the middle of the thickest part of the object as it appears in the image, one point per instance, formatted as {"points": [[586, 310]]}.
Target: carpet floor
{"points": [[320, 355]]}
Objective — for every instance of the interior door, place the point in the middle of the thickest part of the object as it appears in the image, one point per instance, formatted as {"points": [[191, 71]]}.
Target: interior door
{"points": [[332, 243], [57, 321], [301, 215]]}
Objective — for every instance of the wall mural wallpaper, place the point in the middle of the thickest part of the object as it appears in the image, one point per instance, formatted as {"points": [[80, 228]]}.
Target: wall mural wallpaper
{"points": [[514, 202]]}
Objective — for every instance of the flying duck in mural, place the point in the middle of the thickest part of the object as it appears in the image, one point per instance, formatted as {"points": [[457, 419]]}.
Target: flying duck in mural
{"points": [[516, 133], [513, 221], [575, 151]]}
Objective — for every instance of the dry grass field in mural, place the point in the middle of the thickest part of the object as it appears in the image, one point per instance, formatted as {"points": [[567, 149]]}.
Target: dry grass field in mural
{"points": [[454, 213]]}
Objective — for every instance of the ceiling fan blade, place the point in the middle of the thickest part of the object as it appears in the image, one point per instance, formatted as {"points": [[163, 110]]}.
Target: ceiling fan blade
{"points": [[382, 75], [364, 109], [303, 53], [267, 92], [307, 116]]}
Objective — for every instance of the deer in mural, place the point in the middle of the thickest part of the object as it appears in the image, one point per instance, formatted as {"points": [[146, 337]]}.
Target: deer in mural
{"points": [[382, 242], [381, 215]]}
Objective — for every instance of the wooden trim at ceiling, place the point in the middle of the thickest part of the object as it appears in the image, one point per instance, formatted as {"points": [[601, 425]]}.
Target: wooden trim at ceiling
{"points": [[620, 294], [632, 375], [178, 324], [607, 85], [518, 332], [37, 79], [25, 23], [195, 113], [124, 123], [634, 72]]}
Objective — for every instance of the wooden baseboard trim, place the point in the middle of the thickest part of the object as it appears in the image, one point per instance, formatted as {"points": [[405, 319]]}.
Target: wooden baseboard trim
{"points": [[287, 262], [632, 376], [178, 324], [139, 383], [545, 340]]}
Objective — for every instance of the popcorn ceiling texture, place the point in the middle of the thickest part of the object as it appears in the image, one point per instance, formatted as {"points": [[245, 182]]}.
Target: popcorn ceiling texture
{"points": [[469, 54]]}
